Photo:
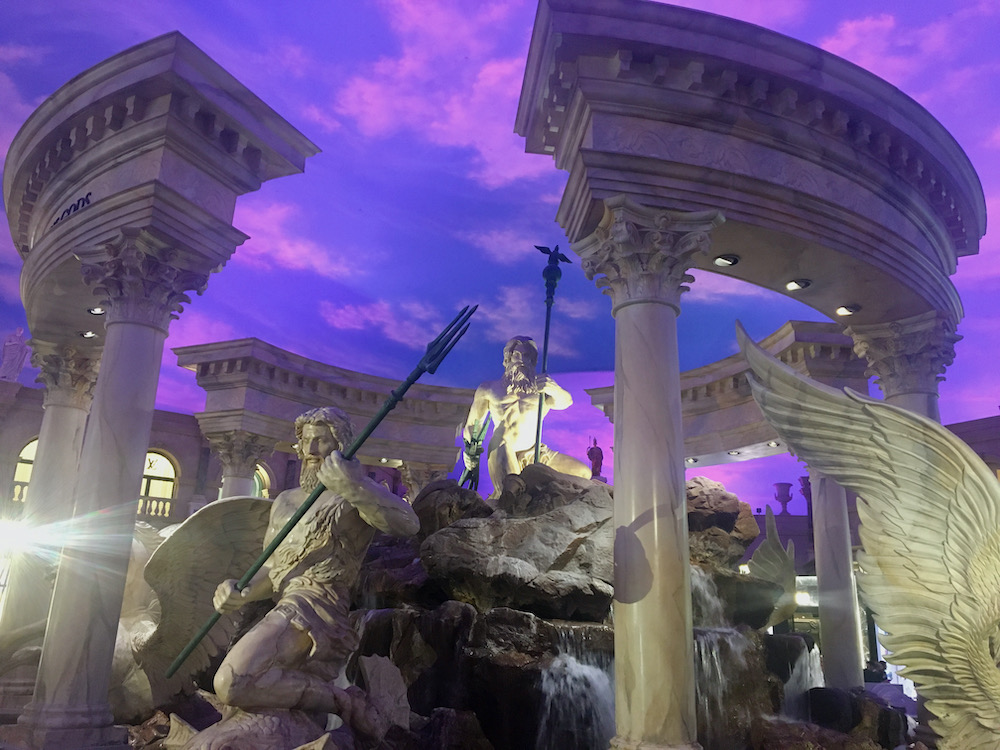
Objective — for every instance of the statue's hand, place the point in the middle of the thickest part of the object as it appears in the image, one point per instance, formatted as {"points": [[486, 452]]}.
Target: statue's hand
{"points": [[544, 383], [228, 598], [471, 462], [340, 475]]}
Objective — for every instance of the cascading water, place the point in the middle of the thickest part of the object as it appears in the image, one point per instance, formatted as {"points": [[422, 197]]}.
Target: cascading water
{"points": [[807, 674], [579, 709]]}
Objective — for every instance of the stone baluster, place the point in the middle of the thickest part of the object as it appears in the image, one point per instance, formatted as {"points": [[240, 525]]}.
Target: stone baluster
{"points": [[69, 375], [239, 452], [142, 285], [641, 257]]}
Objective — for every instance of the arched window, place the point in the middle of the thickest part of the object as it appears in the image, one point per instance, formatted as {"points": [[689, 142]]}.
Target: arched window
{"points": [[261, 482], [22, 475], [159, 481]]}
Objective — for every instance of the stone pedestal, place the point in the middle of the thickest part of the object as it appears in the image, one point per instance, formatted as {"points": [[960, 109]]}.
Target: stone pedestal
{"points": [[838, 596], [641, 256], [69, 375]]}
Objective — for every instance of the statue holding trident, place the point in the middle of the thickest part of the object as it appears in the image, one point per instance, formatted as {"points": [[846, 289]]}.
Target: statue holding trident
{"points": [[518, 402]]}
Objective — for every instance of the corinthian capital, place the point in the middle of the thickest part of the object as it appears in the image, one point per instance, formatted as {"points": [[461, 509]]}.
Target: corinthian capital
{"points": [[68, 373], [239, 451], [908, 355], [642, 254], [140, 281]]}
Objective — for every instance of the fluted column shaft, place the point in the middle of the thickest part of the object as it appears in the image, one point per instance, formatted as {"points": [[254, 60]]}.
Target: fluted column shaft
{"points": [[141, 290], [641, 257]]}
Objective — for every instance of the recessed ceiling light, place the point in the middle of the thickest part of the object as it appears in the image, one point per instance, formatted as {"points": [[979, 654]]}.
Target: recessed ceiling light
{"points": [[724, 261], [847, 310], [773, 443], [691, 460], [88, 334], [96, 310], [796, 284], [734, 453], [383, 460]]}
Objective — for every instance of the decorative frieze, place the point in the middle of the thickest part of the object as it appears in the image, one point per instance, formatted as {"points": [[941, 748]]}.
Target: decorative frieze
{"points": [[138, 281], [909, 355], [68, 373], [642, 255], [416, 476]]}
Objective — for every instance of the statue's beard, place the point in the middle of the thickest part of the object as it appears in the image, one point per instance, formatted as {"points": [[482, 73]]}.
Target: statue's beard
{"points": [[308, 476], [520, 379]]}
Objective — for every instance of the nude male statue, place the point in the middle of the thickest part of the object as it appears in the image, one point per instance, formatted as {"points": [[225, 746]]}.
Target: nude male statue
{"points": [[294, 655], [512, 404]]}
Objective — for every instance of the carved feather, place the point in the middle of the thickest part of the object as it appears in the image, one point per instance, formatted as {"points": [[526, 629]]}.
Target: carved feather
{"points": [[930, 526], [219, 541]]}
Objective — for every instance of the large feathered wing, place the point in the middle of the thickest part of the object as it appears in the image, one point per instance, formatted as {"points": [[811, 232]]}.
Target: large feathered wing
{"points": [[930, 525], [219, 541]]}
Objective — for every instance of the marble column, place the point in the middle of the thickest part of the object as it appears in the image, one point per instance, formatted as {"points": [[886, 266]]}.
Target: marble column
{"points": [[641, 256], [141, 288], [908, 358], [69, 375], [839, 622], [239, 452]]}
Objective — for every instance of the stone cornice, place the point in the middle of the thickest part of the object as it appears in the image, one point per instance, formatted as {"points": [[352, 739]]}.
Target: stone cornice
{"points": [[239, 451], [165, 85], [745, 81]]}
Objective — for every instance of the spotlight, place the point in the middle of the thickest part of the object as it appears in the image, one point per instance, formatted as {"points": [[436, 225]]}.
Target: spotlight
{"points": [[691, 460], [734, 453], [96, 310], [773, 443], [796, 284], [383, 460], [88, 334], [724, 261], [845, 310]]}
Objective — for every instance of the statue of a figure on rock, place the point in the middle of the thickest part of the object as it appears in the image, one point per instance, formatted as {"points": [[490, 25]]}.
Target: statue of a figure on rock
{"points": [[15, 352], [293, 657], [512, 403]]}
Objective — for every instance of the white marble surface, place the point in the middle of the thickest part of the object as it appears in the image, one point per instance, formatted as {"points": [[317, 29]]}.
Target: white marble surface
{"points": [[840, 626]]}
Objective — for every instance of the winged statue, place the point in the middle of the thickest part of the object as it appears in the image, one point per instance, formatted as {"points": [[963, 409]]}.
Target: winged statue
{"points": [[772, 562], [930, 526], [220, 540]]}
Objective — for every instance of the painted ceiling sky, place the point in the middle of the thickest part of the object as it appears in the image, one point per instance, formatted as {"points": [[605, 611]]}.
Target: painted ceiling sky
{"points": [[423, 199]]}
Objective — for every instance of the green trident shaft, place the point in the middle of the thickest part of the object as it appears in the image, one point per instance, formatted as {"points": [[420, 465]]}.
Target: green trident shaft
{"points": [[437, 350], [551, 274]]}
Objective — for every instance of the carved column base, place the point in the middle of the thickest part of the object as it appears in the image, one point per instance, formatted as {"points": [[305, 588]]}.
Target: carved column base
{"points": [[15, 693], [86, 727]]}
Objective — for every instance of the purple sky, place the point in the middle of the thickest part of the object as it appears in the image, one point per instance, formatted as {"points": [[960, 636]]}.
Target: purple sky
{"points": [[423, 199]]}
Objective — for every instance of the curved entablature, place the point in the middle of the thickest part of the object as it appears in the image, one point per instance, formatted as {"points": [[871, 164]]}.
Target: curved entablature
{"points": [[158, 139], [722, 423], [806, 154], [253, 386]]}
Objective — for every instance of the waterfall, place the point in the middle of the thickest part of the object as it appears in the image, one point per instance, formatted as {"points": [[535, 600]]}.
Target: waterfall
{"points": [[579, 708], [806, 674]]}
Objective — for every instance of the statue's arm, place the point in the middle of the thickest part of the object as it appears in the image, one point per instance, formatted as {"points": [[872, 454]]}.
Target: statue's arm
{"points": [[228, 598], [556, 397], [477, 413], [376, 505]]}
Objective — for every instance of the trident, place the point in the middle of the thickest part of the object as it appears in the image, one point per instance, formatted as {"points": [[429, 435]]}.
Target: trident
{"points": [[551, 274], [437, 350]]}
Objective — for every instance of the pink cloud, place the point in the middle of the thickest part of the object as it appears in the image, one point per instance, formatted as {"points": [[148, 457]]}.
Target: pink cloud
{"points": [[505, 246], [13, 113], [412, 324], [275, 242], [325, 120], [469, 105], [15, 53], [519, 310], [709, 286]]}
